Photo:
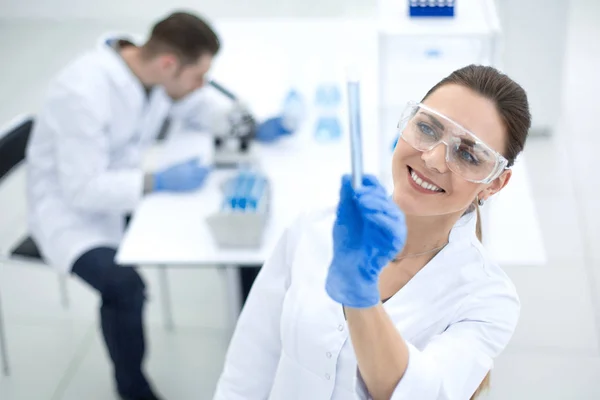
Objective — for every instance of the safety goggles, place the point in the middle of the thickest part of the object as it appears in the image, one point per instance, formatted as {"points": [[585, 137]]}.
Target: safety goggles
{"points": [[466, 155]]}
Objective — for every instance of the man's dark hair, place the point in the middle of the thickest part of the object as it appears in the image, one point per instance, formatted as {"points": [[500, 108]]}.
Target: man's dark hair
{"points": [[183, 34]]}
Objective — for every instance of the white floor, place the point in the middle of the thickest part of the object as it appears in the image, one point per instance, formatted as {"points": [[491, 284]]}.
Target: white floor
{"points": [[57, 354]]}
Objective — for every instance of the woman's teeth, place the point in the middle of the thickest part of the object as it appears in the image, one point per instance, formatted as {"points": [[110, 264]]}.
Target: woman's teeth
{"points": [[424, 184]]}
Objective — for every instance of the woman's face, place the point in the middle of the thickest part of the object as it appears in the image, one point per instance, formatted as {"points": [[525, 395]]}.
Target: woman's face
{"points": [[473, 112]]}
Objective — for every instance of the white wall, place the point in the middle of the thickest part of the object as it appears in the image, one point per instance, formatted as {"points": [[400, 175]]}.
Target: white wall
{"points": [[535, 37], [147, 10], [64, 9], [534, 31]]}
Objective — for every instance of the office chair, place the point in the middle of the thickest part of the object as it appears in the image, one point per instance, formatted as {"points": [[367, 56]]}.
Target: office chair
{"points": [[13, 143]]}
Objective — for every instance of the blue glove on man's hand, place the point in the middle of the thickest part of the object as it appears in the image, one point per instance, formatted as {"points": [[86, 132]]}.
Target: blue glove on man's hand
{"points": [[271, 130], [369, 232], [183, 177]]}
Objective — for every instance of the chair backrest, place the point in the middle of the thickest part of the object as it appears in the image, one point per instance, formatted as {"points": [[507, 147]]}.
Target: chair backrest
{"points": [[13, 144]]}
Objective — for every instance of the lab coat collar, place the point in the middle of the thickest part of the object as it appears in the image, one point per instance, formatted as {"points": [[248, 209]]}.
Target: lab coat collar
{"points": [[121, 74], [443, 271]]}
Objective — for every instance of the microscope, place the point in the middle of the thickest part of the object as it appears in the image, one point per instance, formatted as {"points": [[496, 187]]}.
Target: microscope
{"points": [[233, 133], [245, 206]]}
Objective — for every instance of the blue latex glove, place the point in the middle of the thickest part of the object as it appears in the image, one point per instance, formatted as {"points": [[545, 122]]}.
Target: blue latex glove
{"points": [[271, 130], [183, 177], [369, 232]]}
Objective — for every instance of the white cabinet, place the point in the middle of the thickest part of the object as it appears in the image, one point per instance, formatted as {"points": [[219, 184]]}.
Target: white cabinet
{"points": [[416, 53]]}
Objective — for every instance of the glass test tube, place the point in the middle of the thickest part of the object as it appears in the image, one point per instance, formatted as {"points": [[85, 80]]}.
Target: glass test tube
{"points": [[355, 131]]}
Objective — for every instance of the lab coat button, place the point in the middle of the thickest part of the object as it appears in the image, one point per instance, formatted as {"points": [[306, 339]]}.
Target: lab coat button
{"points": [[340, 327], [327, 376], [328, 355]]}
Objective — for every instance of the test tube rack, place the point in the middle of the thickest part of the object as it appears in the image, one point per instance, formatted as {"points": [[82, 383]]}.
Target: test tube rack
{"points": [[243, 215]]}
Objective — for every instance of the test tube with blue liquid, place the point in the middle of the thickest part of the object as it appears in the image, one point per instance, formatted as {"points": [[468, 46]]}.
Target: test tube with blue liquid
{"points": [[243, 184], [245, 192], [256, 193]]}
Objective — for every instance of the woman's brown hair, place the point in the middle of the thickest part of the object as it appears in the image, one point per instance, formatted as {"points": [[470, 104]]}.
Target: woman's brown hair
{"points": [[512, 105]]}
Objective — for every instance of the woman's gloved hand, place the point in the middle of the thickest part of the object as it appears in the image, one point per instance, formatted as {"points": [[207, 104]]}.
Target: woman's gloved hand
{"points": [[369, 231], [184, 177]]}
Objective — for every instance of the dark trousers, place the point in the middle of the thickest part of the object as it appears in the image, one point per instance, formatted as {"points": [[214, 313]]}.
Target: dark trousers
{"points": [[247, 277], [121, 316]]}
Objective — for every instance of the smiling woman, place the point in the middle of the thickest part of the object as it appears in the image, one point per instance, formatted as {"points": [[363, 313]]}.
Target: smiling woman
{"points": [[394, 298], [478, 97]]}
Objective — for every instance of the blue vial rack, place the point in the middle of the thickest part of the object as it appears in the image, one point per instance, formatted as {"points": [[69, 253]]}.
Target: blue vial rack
{"points": [[243, 215], [431, 8]]}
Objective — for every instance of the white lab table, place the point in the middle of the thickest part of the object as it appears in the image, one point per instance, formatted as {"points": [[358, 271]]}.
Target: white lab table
{"points": [[170, 230], [261, 60]]}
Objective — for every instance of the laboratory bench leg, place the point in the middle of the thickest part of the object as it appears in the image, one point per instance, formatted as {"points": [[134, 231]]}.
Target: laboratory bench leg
{"points": [[3, 349], [165, 297], [64, 291], [234, 294]]}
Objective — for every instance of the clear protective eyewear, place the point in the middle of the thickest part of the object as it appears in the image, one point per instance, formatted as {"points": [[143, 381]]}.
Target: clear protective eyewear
{"points": [[466, 155]]}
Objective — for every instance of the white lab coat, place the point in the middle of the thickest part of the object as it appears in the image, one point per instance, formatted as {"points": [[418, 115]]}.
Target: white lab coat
{"points": [[292, 341], [85, 153]]}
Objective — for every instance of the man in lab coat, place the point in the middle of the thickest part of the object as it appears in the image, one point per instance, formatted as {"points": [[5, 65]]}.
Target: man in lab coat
{"points": [[84, 167]]}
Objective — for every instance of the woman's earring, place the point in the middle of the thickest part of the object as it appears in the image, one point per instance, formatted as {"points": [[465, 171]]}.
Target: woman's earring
{"points": [[480, 202]]}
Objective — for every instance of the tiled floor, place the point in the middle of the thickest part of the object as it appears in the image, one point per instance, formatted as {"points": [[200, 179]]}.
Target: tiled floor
{"points": [[57, 354]]}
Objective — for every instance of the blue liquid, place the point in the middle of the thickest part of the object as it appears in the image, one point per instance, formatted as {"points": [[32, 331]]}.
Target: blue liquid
{"points": [[328, 100], [245, 192], [328, 129]]}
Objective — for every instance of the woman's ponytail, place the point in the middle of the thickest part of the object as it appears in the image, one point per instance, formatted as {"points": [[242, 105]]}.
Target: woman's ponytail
{"points": [[485, 385], [478, 231]]}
